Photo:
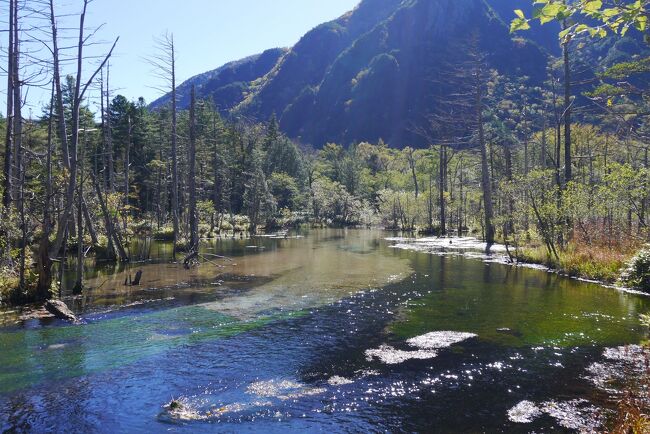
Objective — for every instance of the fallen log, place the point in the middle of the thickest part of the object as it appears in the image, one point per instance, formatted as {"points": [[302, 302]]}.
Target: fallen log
{"points": [[211, 262], [60, 310], [218, 256]]}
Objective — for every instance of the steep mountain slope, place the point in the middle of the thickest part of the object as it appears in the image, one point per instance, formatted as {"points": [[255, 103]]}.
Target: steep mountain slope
{"points": [[378, 87], [306, 64], [372, 73], [228, 85]]}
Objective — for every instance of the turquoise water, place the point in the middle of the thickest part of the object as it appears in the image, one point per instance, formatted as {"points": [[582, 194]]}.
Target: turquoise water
{"points": [[277, 341]]}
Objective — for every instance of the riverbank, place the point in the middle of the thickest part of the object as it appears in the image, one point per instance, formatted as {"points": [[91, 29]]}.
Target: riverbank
{"points": [[623, 268], [592, 262], [622, 377]]}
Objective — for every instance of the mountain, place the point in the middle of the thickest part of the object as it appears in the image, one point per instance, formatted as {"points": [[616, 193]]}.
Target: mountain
{"points": [[228, 85], [378, 87], [370, 74]]}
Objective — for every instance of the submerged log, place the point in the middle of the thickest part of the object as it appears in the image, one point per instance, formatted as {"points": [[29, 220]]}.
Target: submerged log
{"points": [[60, 310]]}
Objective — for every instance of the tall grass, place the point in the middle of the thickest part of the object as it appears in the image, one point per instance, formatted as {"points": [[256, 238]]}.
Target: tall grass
{"points": [[599, 259]]}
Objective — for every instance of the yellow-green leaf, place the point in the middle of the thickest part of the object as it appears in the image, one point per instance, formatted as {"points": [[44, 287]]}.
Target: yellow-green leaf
{"points": [[593, 6], [564, 33], [519, 24], [641, 23]]}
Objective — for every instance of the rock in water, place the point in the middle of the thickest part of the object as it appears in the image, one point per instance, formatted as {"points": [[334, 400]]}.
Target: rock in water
{"points": [[60, 310]]}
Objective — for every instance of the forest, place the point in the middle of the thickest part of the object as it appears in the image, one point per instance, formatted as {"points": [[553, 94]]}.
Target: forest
{"points": [[558, 173]]}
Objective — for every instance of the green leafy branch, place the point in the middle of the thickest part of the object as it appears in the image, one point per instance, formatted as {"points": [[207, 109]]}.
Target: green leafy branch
{"points": [[610, 16]]}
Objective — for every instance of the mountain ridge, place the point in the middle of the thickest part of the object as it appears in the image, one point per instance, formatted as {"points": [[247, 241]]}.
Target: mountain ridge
{"points": [[367, 75]]}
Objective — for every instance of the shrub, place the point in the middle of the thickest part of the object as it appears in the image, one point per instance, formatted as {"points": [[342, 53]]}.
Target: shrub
{"points": [[205, 231], [10, 293], [183, 245], [637, 273], [141, 228], [579, 260], [166, 233], [226, 226]]}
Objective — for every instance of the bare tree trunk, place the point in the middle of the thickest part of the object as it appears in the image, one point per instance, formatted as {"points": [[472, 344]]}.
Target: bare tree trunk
{"points": [[77, 99], [485, 172], [7, 172], [443, 170], [18, 171], [567, 114], [102, 111], [413, 172], [109, 135], [20, 175], [218, 182], [127, 164], [78, 287], [9, 139], [543, 151], [460, 200], [175, 214], [43, 261], [18, 101], [430, 203], [511, 202], [644, 199], [108, 222], [194, 227], [89, 223], [61, 123]]}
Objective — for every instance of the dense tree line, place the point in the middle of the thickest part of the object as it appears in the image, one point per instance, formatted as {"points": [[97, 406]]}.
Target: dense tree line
{"points": [[541, 168]]}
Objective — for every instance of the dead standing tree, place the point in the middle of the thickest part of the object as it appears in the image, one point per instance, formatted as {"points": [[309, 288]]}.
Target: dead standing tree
{"points": [[69, 143], [194, 225], [164, 68], [25, 69], [433, 132], [9, 138], [458, 118]]}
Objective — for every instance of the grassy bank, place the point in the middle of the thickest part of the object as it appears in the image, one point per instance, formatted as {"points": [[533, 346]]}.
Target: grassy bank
{"points": [[588, 261]]}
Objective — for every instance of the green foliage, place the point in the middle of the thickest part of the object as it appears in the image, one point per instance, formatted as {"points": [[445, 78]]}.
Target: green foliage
{"points": [[10, 290], [615, 17], [165, 233], [332, 202], [285, 190], [401, 209], [637, 273]]}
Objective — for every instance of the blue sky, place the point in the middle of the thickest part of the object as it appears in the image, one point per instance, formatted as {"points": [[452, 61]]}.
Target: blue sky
{"points": [[208, 33]]}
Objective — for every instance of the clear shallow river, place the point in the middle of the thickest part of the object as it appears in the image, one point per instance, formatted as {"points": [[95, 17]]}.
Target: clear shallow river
{"points": [[312, 334]]}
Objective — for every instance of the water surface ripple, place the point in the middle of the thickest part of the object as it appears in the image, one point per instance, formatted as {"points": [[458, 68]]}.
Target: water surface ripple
{"points": [[335, 331]]}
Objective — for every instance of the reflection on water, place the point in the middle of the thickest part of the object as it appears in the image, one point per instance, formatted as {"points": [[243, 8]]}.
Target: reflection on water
{"points": [[279, 273], [300, 335], [516, 306]]}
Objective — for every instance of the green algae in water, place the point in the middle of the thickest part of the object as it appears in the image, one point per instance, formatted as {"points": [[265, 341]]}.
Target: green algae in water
{"points": [[518, 307], [30, 357], [298, 275]]}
